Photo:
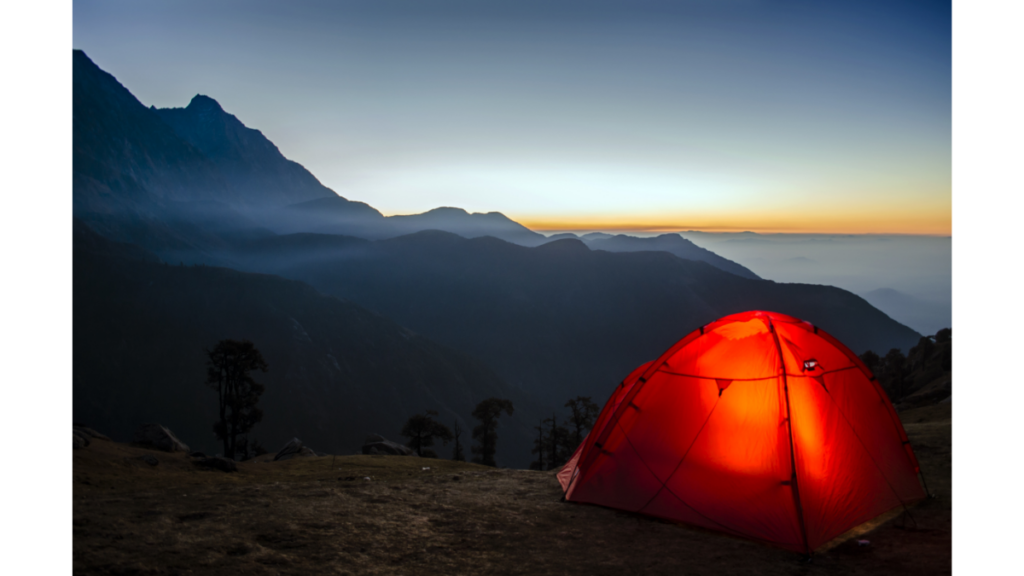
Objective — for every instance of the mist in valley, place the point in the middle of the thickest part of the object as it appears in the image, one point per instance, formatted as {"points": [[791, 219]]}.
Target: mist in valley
{"points": [[907, 277]]}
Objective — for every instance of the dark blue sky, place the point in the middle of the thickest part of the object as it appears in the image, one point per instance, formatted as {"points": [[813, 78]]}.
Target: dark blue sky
{"points": [[765, 115]]}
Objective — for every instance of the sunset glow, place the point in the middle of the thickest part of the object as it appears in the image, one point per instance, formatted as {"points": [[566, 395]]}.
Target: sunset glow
{"points": [[641, 116]]}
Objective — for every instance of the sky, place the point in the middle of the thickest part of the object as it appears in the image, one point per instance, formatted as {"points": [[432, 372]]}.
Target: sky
{"points": [[724, 115]]}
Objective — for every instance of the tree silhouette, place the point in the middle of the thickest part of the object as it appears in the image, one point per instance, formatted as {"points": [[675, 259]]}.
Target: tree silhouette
{"points": [[538, 448], [486, 433], [895, 373], [557, 442], [422, 430], [457, 453], [584, 412], [227, 372], [872, 361]]}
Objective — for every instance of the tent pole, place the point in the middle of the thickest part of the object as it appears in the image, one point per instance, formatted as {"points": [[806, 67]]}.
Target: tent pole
{"points": [[792, 451]]}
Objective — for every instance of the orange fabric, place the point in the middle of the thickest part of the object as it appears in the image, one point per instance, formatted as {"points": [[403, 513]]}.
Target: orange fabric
{"points": [[759, 425]]}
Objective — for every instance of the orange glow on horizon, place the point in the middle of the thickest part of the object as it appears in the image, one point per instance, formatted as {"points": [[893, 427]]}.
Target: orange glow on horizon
{"points": [[927, 223]]}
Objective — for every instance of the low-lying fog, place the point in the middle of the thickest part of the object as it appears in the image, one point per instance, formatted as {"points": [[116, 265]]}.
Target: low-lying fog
{"points": [[907, 277]]}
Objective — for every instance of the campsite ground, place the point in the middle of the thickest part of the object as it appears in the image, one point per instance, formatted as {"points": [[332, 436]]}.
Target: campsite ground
{"points": [[321, 516]]}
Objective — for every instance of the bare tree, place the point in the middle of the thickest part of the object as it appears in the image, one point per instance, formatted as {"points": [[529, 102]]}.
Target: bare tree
{"points": [[457, 453], [584, 413], [538, 448]]}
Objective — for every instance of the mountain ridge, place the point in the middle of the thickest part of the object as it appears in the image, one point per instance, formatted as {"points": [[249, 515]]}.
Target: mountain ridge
{"points": [[150, 176], [337, 370], [559, 318]]}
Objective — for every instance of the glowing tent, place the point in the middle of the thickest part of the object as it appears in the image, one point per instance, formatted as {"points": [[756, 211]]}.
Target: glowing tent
{"points": [[759, 425]]}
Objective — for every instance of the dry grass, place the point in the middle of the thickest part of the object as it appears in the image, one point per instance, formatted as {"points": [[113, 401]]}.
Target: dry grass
{"points": [[319, 516]]}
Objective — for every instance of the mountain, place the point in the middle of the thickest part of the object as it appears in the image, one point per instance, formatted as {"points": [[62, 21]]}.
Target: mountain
{"points": [[671, 243], [458, 221], [188, 182], [329, 216], [337, 371], [246, 159], [560, 319], [183, 183], [925, 316], [133, 177]]}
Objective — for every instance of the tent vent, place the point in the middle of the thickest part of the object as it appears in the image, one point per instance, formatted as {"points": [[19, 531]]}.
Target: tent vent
{"points": [[810, 365]]}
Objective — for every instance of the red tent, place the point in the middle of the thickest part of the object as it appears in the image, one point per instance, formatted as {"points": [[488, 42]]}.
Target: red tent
{"points": [[759, 425]]}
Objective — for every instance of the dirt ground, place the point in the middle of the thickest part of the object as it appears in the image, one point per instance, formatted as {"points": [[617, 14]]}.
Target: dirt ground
{"points": [[323, 516]]}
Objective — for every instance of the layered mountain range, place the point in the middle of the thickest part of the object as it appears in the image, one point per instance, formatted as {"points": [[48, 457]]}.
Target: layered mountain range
{"points": [[192, 227]]}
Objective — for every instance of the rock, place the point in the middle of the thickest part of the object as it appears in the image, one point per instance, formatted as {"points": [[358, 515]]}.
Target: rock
{"points": [[81, 439], [197, 454], [376, 444], [294, 449], [149, 459], [91, 433], [217, 463], [160, 438]]}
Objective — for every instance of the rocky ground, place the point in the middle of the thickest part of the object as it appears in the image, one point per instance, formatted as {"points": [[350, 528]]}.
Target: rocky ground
{"points": [[391, 515]]}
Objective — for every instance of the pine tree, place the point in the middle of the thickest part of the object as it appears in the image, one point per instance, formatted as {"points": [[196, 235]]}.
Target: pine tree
{"points": [[227, 372], [422, 431], [486, 433], [584, 412]]}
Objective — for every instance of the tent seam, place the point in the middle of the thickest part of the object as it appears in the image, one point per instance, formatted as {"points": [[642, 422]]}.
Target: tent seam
{"points": [[681, 460], [664, 486], [866, 449]]}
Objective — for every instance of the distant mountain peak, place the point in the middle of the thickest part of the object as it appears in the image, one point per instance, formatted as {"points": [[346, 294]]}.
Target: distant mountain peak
{"points": [[564, 246], [202, 103], [447, 210]]}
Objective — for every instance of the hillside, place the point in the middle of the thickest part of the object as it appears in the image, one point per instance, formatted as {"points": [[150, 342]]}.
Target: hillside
{"points": [[321, 515], [337, 371], [557, 320]]}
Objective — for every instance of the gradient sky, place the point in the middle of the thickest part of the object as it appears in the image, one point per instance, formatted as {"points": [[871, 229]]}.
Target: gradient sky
{"points": [[793, 116]]}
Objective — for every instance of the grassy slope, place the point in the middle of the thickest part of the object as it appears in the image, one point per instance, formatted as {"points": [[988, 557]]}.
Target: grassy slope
{"points": [[319, 515]]}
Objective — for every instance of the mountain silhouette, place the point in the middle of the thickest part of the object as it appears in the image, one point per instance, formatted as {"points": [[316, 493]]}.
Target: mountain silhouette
{"points": [[337, 371], [187, 182], [249, 162], [671, 243], [559, 319]]}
